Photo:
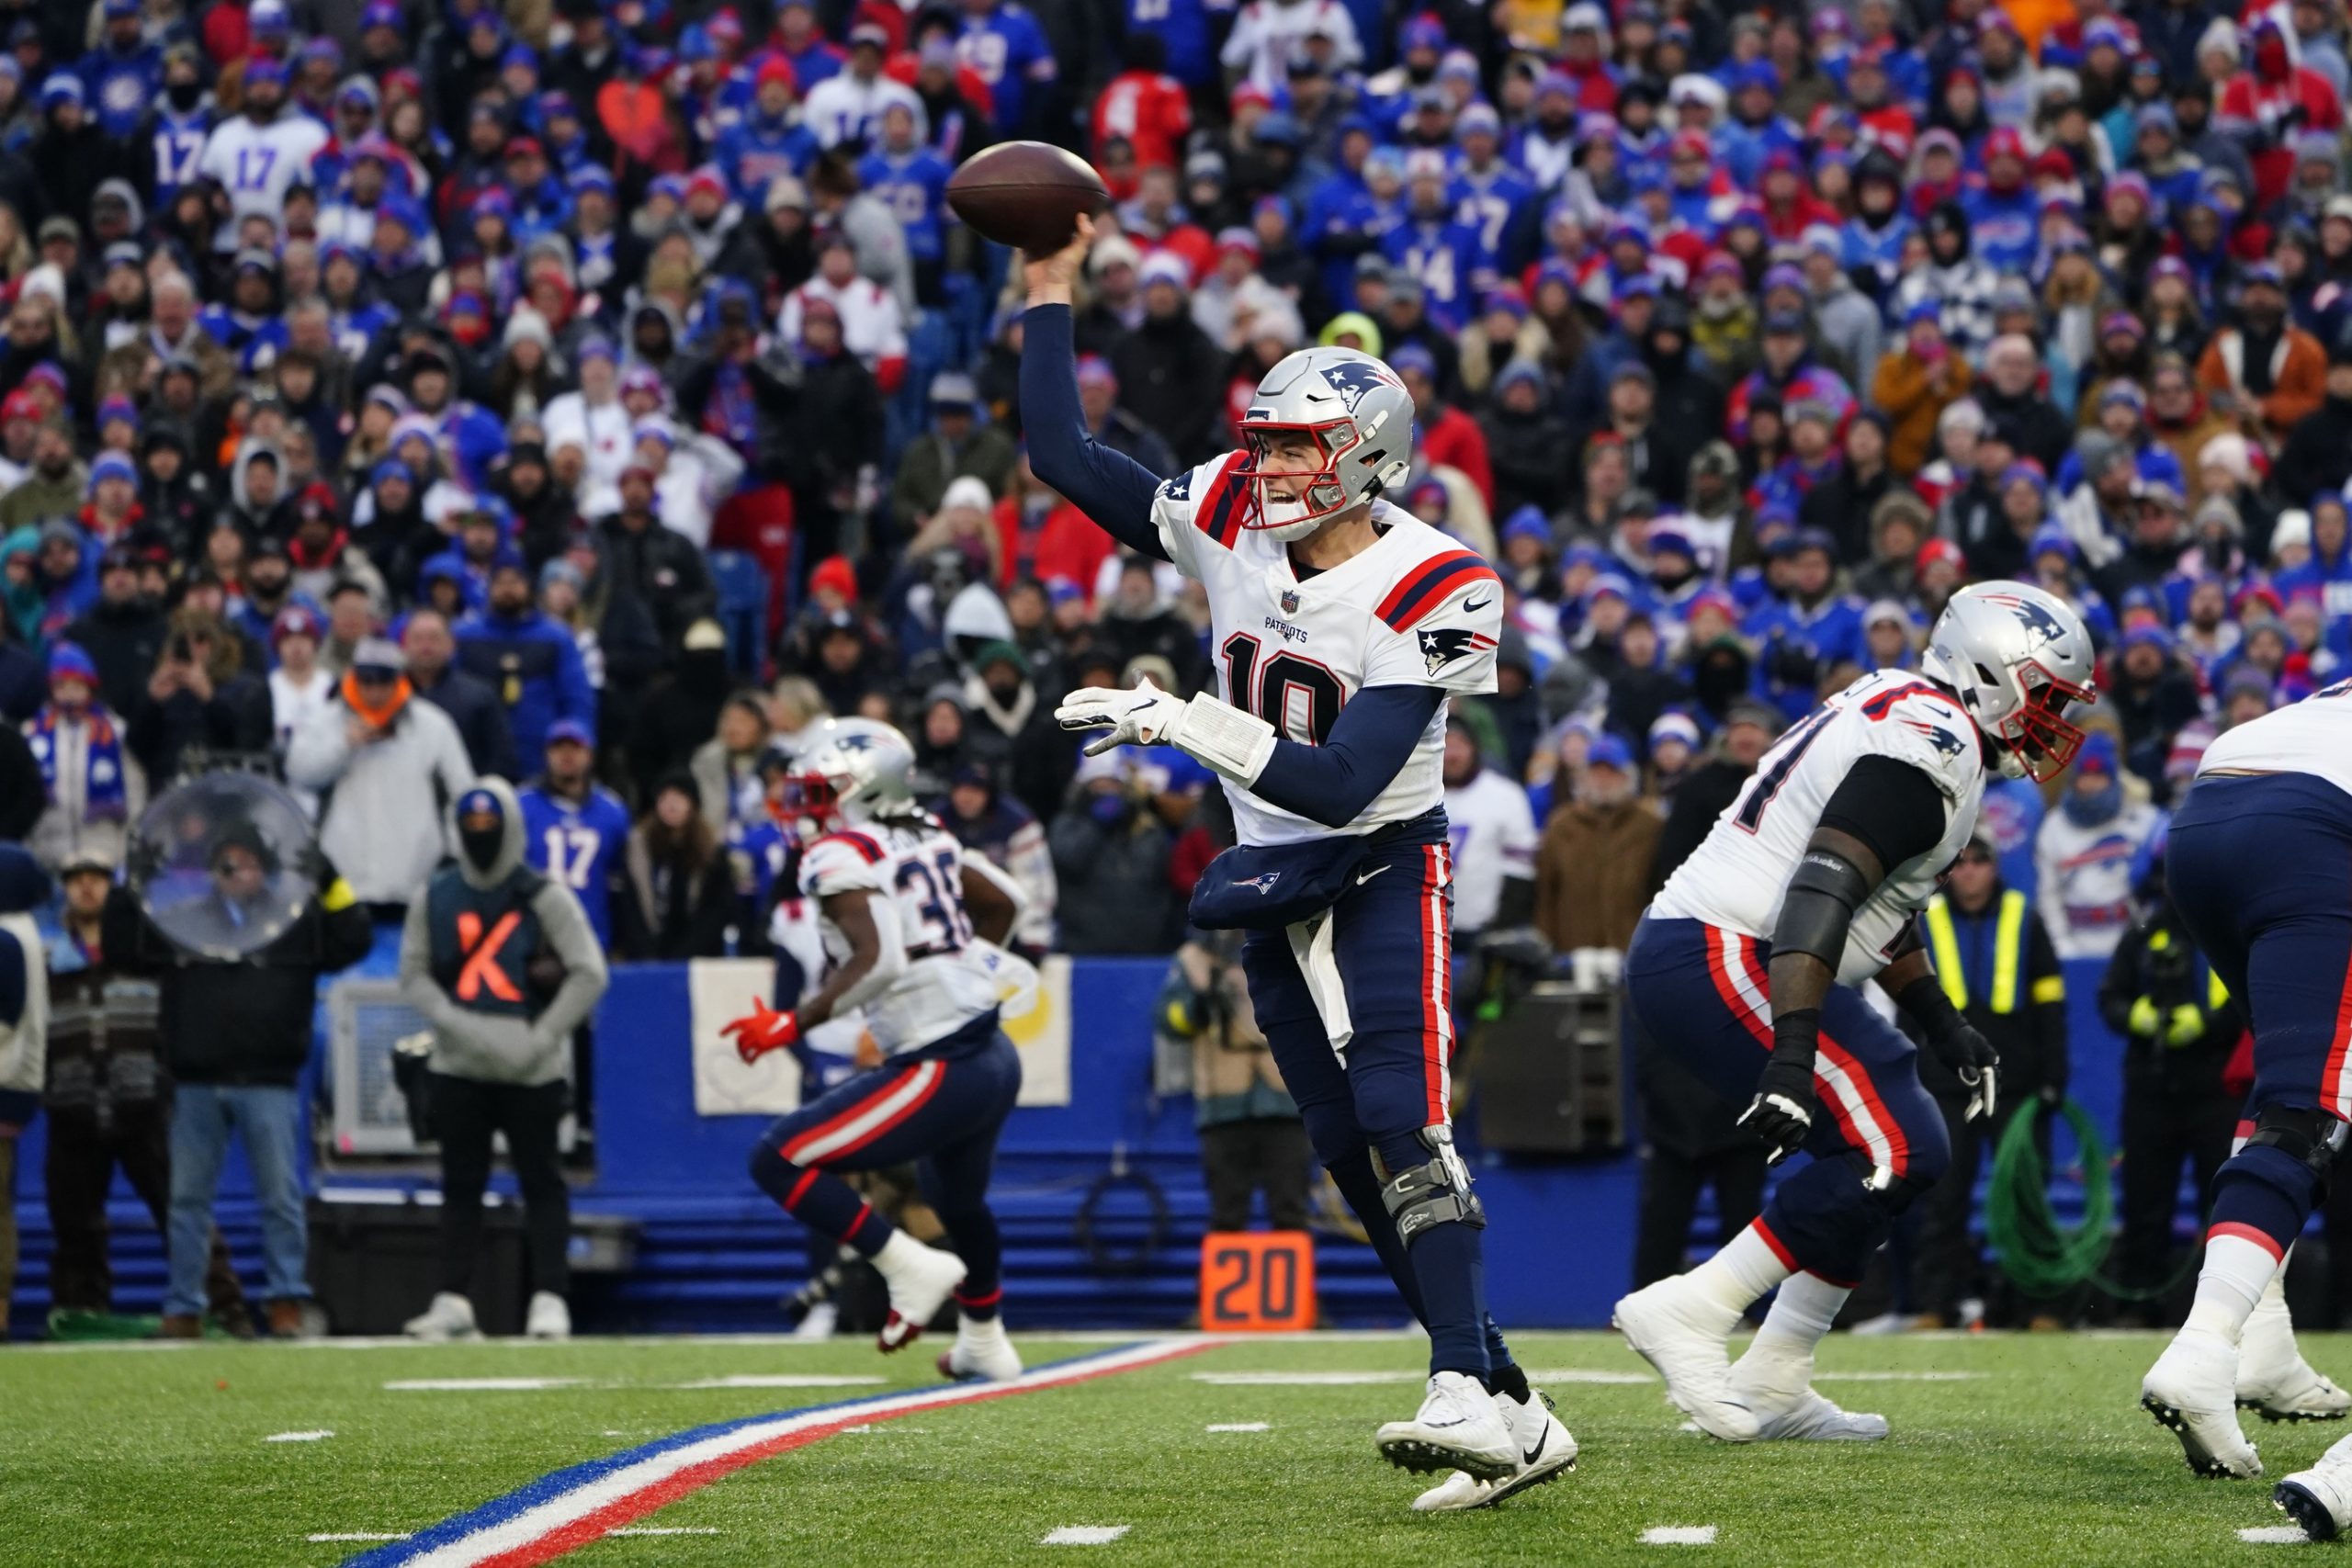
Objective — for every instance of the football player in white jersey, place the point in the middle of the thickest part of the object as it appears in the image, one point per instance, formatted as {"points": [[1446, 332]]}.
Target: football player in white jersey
{"points": [[910, 926], [2258, 861], [1752, 955], [1341, 627]]}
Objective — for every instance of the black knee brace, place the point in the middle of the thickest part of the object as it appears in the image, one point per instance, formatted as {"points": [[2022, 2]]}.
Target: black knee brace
{"points": [[1430, 1193], [2303, 1134]]}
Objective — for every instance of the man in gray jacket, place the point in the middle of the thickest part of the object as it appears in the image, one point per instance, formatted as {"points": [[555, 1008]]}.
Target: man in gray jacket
{"points": [[503, 965], [386, 764]]}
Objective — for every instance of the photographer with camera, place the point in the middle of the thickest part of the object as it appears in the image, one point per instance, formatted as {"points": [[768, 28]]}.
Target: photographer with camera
{"points": [[503, 965], [236, 1032]]}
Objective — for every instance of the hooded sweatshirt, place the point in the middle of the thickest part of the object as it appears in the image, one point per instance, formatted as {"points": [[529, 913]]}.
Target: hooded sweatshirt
{"points": [[382, 826], [500, 1013]]}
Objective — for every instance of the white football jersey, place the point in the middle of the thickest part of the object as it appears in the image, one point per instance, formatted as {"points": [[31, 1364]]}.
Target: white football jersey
{"points": [[1736, 877], [1415, 609], [2313, 737], [918, 868], [257, 163], [1494, 838]]}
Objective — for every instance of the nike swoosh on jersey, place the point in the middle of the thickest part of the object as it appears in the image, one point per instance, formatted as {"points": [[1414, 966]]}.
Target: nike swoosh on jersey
{"points": [[1476, 605], [1368, 875]]}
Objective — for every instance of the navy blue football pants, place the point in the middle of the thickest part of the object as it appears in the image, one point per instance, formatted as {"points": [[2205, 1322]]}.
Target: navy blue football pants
{"points": [[941, 1108], [1356, 1007], [1700, 993], [2260, 868]]}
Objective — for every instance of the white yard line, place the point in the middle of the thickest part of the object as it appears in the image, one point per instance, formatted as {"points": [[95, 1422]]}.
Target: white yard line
{"points": [[353, 1535], [298, 1437], [666, 1529], [1239, 1427], [1084, 1535], [772, 1380], [2275, 1535], [1678, 1535], [1898, 1377], [479, 1386]]}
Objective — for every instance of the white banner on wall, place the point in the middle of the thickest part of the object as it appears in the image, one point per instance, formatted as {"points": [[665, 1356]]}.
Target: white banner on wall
{"points": [[722, 990], [1043, 1035]]}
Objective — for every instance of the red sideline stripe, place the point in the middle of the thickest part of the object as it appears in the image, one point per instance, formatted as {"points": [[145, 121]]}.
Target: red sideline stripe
{"points": [[622, 1511], [2262, 1240], [864, 846]]}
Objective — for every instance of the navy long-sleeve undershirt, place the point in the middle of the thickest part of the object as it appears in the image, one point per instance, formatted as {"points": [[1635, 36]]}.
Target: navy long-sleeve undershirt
{"points": [[1376, 733], [1109, 486], [1370, 743]]}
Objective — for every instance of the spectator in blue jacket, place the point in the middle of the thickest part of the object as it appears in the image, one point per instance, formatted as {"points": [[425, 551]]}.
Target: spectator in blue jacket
{"points": [[531, 661]]}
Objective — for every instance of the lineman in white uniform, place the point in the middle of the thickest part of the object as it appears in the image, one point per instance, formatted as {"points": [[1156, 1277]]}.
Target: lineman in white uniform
{"points": [[2258, 861], [1750, 959]]}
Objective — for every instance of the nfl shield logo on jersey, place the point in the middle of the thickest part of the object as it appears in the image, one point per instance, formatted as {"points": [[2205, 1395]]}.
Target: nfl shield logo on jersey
{"points": [[1290, 601]]}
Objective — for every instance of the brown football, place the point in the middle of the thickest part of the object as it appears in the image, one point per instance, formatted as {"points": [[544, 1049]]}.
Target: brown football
{"points": [[1025, 194]]}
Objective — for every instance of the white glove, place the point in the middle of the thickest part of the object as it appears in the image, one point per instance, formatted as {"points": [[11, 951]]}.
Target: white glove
{"points": [[1146, 715]]}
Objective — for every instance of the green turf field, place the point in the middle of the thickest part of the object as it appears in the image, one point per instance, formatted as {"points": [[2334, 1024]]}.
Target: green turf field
{"points": [[2006, 1452]]}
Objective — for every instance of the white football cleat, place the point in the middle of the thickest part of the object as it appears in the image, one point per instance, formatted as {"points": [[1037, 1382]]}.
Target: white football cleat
{"points": [[1684, 1337], [1546, 1451], [981, 1354], [1778, 1389], [2274, 1380], [1457, 1428], [920, 1280], [2320, 1498], [818, 1323], [2190, 1391], [549, 1318], [451, 1316]]}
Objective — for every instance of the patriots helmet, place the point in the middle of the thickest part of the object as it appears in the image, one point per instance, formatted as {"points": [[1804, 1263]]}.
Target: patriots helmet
{"points": [[2015, 655], [851, 769], [1359, 416]]}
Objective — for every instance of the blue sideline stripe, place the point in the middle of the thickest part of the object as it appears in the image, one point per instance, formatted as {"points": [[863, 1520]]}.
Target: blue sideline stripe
{"points": [[498, 1510]]}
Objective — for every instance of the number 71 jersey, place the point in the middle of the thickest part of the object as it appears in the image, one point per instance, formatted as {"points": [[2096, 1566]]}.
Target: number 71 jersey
{"points": [[918, 868], [1736, 878], [1415, 609]]}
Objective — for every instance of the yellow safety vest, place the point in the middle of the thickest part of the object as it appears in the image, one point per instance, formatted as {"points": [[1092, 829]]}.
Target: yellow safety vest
{"points": [[2009, 955]]}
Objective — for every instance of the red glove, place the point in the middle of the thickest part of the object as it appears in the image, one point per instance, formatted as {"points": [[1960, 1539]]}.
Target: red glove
{"points": [[764, 1031]]}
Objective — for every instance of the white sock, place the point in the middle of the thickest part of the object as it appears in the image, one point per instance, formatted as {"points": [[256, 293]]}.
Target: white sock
{"points": [[2237, 1272], [1740, 1271], [899, 1255], [1801, 1314], [2274, 1294]]}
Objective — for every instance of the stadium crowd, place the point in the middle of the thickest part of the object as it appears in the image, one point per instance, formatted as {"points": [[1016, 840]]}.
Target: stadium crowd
{"points": [[601, 392]]}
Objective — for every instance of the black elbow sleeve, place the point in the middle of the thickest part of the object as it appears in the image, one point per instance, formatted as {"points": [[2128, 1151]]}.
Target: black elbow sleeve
{"points": [[1818, 907]]}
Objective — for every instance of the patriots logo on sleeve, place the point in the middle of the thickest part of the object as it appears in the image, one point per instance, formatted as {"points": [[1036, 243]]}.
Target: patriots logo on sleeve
{"points": [[1178, 489], [1265, 884], [1945, 742], [1441, 645], [1352, 379]]}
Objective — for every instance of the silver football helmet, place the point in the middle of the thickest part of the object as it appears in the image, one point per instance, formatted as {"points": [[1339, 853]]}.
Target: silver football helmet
{"points": [[1360, 418], [2016, 655], [850, 769]]}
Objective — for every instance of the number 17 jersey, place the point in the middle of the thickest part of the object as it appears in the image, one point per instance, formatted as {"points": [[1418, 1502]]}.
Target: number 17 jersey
{"points": [[918, 868], [1736, 878], [1415, 609]]}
